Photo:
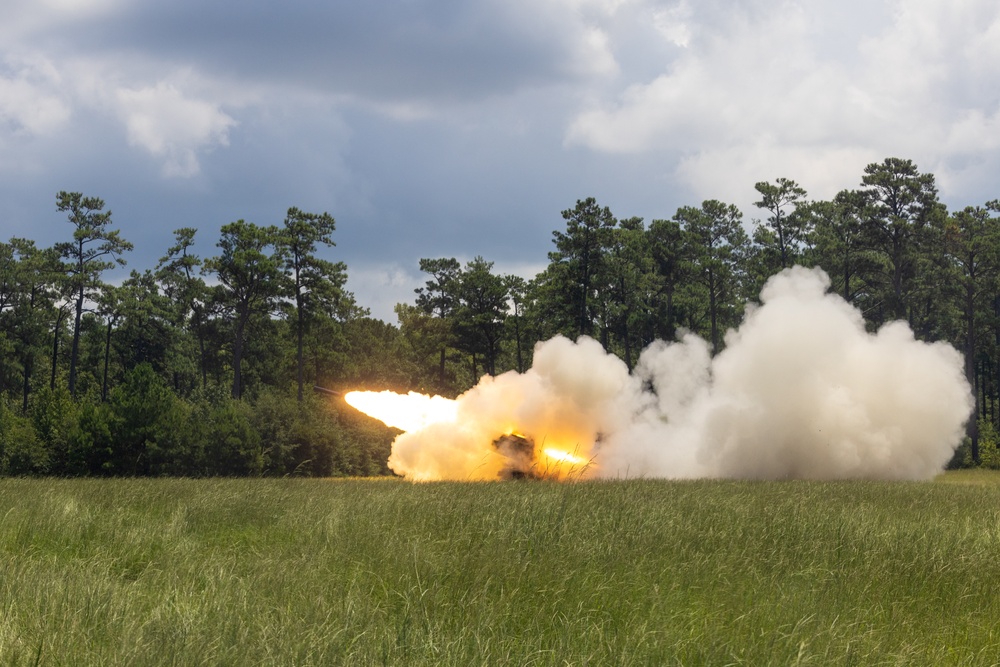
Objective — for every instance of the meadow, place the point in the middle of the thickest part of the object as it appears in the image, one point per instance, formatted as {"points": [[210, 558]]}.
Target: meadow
{"points": [[372, 572]]}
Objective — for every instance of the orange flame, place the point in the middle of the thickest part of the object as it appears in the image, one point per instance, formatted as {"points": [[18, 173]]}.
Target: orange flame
{"points": [[407, 412], [468, 444], [564, 457]]}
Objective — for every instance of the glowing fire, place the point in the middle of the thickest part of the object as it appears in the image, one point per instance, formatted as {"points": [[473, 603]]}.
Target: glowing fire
{"points": [[512, 455], [407, 412], [563, 457]]}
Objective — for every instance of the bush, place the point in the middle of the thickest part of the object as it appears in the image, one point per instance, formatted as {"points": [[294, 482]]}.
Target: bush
{"points": [[56, 420], [146, 429], [989, 449], [21, 450], [300, 438], [989, 441], [92, 439], [223, 431], [144, 424]]}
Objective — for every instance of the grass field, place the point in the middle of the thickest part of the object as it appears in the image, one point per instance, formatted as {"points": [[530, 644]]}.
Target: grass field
{"points": [[368, 572]]}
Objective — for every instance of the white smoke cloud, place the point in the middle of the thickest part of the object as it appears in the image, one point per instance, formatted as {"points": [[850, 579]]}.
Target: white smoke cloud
{"points": [[802, 390]]}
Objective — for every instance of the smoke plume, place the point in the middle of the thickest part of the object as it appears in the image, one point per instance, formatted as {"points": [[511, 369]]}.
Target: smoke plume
{"points": [[801, 390]]}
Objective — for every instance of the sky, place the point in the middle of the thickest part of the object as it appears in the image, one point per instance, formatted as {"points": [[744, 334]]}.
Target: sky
{"points": [[448, 128]]}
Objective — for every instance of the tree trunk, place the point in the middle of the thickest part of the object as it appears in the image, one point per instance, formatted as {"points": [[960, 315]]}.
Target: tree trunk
{"points": [[628, 344], [55, 348], [517, 338], [898, 309], [201, 347], [75, 349], [712, 313], [107, 355], [298, 352], [29, 358], [584, 323], [490, 361], [985, 381], [238, 357], [847, 280], [970, 366], [781, 240], [671, 330]]}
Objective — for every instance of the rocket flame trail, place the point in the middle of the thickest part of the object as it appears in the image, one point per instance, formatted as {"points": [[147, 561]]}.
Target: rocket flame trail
{"points": [[514, 452], [801, 390], [563, 457], [410, 412]]}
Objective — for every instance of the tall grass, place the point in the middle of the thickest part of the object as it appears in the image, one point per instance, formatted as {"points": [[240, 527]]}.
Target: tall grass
{"points": [[366, 572]]}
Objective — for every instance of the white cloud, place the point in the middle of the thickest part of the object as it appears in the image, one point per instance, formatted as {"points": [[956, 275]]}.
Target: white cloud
{"points": [[593, 53], [673, 23], [728, 83], [729, 173], [29, 97], [790, 89], [40, 95], [171, 126], [76, 8], [379, 287]]}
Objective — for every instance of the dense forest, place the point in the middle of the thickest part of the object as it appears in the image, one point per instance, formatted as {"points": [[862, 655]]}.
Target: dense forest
{"points": [[206, 366]]}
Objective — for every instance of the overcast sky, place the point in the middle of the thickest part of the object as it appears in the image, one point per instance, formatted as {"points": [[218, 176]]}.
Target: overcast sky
{"points": [[441, 128]]}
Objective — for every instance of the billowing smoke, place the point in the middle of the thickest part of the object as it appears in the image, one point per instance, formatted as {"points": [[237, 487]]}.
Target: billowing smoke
{"points": [[800, 391]]}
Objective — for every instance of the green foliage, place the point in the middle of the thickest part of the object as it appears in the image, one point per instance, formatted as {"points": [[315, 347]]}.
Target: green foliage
{"points": [[187, 295], [300, 438], [147, 425], [717, 246], [577, 263], [899, 205], [224, 432], [989, 449], [481, 314], [779, 238], [94, 249], [316, 285], [380, 355], [21, 450], [628, 281], [147, 430], [56, 420], [249, 270]]}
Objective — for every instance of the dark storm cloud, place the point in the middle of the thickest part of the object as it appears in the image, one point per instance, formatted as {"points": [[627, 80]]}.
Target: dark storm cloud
{"points": [[386, 50]]}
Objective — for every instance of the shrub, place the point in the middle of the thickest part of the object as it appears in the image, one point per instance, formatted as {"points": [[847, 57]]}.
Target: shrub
{"points": [[143, 423], [21, 450], [56, 420], [989, 449], [224, 432], [299, 438]]}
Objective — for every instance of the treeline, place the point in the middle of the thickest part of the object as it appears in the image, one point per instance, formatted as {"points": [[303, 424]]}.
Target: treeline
{"points": [[195, 367], [204, 366], [890, 247]]}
